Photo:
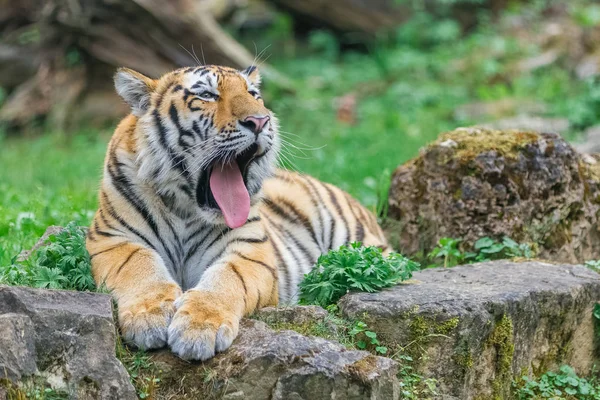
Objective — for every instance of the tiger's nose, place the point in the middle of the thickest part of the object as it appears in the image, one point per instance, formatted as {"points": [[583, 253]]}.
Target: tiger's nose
{"points": [[255, 123]]}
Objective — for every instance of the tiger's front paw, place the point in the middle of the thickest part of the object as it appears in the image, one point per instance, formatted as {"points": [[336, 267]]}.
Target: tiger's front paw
{"points": [[144, 320], [203, 325]]}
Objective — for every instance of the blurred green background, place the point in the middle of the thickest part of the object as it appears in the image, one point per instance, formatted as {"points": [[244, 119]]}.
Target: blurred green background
{"points": [[353, 102]]}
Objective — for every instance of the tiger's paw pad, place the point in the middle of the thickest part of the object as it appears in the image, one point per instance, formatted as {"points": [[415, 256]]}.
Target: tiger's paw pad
{"points": [[145, 321], [201, 327]]}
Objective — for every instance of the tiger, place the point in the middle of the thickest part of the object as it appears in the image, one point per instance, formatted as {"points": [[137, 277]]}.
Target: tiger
{"points": [[197, 226]]}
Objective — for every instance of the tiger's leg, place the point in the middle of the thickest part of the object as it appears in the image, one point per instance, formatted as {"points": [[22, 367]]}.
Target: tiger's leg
{"points": [[208, 316], [140, 283]]}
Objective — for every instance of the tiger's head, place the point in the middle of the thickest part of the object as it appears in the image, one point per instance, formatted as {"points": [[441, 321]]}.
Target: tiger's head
{"points": [[207, 137]]}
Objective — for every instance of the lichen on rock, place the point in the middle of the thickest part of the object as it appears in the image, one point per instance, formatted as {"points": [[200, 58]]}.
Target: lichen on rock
{"points": [[502, 341]]}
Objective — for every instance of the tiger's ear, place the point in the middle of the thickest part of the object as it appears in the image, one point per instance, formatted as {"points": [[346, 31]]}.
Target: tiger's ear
{"points": [[253, 75], [135, 89]]}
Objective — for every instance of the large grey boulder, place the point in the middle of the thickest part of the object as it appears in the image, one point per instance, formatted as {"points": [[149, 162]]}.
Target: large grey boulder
{"points": [[264, 364], [474, 328], [66, 339]]}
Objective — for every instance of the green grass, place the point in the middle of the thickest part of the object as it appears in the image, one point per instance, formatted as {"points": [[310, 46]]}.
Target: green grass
{"points": [[46, 181]]}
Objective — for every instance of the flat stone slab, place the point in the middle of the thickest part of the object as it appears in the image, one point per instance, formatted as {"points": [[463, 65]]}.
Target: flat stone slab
{"points": [[65, 338], [475, 327]]}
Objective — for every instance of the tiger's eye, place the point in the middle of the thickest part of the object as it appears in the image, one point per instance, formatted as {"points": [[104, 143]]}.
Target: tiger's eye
{"points": [[206, 95]]}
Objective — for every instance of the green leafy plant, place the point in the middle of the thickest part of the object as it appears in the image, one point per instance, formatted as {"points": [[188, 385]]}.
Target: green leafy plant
{"points": [[565, 384], [489, 249], [448, 250], [485, 249], [412, 384], [353, 268], [594, 265], [365, 338], [63, 263]]}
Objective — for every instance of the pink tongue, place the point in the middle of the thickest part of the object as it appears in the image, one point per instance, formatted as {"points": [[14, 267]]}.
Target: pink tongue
{"points": [[229, 191]]}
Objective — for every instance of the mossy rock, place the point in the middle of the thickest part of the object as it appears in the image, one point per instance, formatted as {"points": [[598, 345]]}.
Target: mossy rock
{"points": [[476, 328], [475, 182]]}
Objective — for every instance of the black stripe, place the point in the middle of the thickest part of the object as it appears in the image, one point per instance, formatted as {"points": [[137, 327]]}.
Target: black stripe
{"points": [[190, 104], [313, 203], [339, 210], [187, 190], [271, 269], [173, 114], [220, 235], [252, 240], [280, 235], [196, 246], [360, 229], [105, 221], [112, 213], [196, 232], [127, 260], [105, 234], [230, 138], [197, 130], [250, 70], [282, 266], [109, 249], [299, 217], [234, 269], [177, 160], [333, 224], [123, 186], [371, 224], [161, 95], [90, 236], [221, 254], [253, 219], [310, 260]]}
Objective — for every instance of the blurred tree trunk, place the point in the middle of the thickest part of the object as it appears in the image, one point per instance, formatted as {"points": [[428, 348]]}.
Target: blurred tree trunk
{"points": [[57, 57], [370, 17], [363, 16]]}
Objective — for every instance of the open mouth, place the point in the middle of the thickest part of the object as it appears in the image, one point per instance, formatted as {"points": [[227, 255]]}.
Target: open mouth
{"points": [[224, 186]]}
